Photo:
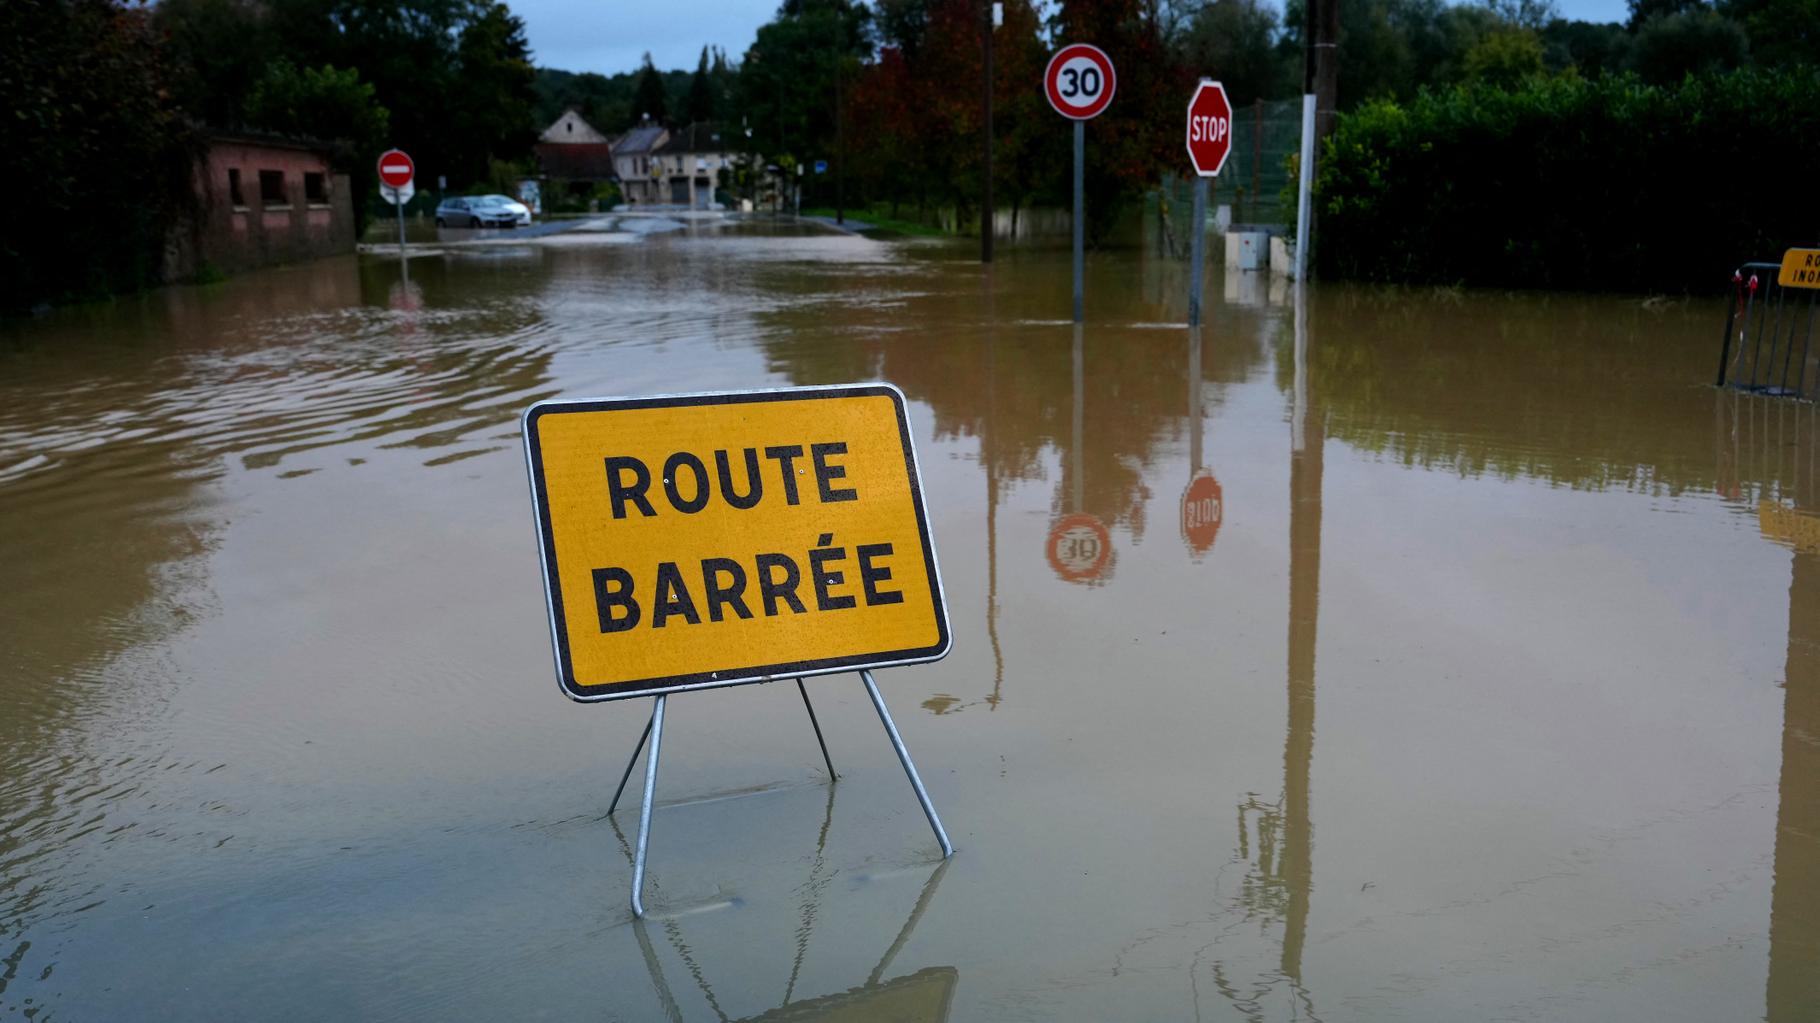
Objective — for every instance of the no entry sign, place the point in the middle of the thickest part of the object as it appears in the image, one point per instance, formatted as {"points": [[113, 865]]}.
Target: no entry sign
{"points": [[1209, 129], [1080, 81], [710, 540], [396, 169]]}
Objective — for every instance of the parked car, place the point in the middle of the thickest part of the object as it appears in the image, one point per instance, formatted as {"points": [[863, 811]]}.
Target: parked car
{"points": [[519, 210], [475, 211]]}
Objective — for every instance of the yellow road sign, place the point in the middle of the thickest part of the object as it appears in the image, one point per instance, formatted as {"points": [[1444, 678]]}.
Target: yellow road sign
{"points": [[705, 540], [1800, 269]]}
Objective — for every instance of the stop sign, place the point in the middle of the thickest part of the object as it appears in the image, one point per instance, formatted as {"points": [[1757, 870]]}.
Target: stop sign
{"points": [[395, 168], [1203, 509], [1209, 128]]}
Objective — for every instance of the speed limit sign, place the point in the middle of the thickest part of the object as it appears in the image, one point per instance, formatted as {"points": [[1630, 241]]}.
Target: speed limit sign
{"points": [[1080, 81]]}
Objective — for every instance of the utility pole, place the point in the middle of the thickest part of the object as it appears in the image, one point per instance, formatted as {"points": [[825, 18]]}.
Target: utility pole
{"points": [[840, 147], [988, 23], [1321, 65]]}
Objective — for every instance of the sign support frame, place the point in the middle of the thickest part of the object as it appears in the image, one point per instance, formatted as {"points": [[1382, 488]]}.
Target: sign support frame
{"points": [[654, 731]]}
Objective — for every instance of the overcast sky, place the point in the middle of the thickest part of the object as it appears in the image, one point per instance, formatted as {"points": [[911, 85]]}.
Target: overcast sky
{"points": [[588, 35]]}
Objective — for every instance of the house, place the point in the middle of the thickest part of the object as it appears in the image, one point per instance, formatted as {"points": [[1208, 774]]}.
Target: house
{"points": [[691, 162], [635, 163], [262, 200], [570, 150]]}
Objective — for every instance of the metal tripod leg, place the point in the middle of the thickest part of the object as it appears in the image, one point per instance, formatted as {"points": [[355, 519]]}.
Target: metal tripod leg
{"points": [[818, 731], [897, 742], [644, 811], [634, 759]]}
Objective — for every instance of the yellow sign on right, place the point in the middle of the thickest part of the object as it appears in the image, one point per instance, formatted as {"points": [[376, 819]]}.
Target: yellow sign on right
{"points": [[1800, 269]]}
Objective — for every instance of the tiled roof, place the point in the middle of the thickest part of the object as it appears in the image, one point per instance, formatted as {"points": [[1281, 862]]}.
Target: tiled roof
{"points": [[579, 161], [698, 138], [639, 140]]}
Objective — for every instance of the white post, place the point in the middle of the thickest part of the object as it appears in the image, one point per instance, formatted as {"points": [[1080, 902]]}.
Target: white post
{"points": [[1304, 191]]}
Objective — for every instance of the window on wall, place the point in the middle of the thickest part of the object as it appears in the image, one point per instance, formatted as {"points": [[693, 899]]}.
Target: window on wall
{"points": [[235, 195], [315, 189], [271, 189]]}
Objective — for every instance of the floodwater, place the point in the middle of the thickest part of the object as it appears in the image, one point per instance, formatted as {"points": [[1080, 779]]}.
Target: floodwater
{"points": [[1491, 693]]}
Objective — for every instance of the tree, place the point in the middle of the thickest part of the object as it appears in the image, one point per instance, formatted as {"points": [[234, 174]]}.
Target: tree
{"points": [[329, 104], [96, 146], [1783, 33], [699, 106], [786, 81], [1504, 58], [649, 100], [1234, 41], [218, 50], [494, 88], [1671, 47]]}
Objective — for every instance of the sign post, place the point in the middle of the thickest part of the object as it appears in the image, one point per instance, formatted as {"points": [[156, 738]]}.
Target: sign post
{"points": [[395, 173], [1209, 144], [704, 540], [1079, 82]]}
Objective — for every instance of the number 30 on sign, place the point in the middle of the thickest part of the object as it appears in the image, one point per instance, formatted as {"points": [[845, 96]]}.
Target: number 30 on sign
{"points": [[1080, 81]]}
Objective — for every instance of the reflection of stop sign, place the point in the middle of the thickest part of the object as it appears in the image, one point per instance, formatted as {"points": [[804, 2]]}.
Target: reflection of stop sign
{"points": [[396, 169], [1209, 128], [1203, 507], [1079, 547]]}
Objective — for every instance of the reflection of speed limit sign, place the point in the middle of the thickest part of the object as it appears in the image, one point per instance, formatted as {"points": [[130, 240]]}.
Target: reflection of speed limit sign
{"points": [[1079, 547], [1079, 81]]}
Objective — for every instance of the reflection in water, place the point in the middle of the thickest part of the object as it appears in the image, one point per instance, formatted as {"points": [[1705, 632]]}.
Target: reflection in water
{"points": [[274, 705], [1768, 451], [1276, 840], [927, 994]]}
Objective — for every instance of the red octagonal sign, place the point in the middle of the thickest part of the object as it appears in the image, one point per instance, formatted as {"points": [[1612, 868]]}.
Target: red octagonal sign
{"points": [[396, 169], [1209, 128]]}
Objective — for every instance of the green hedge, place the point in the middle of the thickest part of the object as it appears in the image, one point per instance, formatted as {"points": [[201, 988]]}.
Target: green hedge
{"points": [[1607, 185]]}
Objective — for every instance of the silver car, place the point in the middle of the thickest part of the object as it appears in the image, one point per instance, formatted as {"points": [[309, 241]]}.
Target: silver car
{"points": [[475, 211]]}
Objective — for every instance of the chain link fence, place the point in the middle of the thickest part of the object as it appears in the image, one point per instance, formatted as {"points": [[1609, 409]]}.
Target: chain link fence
{"points": [[1253, 184]]}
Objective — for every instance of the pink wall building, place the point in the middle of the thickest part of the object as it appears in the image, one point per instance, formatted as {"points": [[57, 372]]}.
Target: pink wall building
{"points": [[263, 201]]}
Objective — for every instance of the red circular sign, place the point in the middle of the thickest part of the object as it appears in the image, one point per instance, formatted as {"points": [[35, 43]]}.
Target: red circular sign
{"points": [[396, 169], [1209, 128], [1203, 509], [1079, 547], [1080, 81]]}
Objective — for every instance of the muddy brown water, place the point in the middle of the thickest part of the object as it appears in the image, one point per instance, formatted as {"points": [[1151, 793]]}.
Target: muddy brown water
{"points": [[1494, 694]]}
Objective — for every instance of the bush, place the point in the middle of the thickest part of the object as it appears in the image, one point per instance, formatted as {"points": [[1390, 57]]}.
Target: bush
{"points": [[1608, 184]]}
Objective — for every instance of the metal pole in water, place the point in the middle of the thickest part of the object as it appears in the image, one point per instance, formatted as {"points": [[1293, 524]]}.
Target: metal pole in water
{"points": [[636, 750], [644, 811], [1199, 226], [1304, 211], [1080, 188], [817, 725], [903, 755], [400, 204]]}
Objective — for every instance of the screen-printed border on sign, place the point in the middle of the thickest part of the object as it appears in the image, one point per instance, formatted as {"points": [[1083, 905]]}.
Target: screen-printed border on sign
{"points": [[565, 674]]}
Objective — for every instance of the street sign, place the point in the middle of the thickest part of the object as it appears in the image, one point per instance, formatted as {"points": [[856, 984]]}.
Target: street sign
{"points": [[1209, 128], [1079, 547], [1079, 81], [396, 169], [1203, 509], [1800, 269], [821, 166], [397, 196], [704, 540]]}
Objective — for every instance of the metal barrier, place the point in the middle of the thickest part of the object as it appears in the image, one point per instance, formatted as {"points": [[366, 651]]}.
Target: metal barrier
{"points": [[1765, 328]]}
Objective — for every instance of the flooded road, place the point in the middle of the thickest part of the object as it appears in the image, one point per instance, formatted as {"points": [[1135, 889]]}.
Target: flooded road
{"points": [[1482, 681]]}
